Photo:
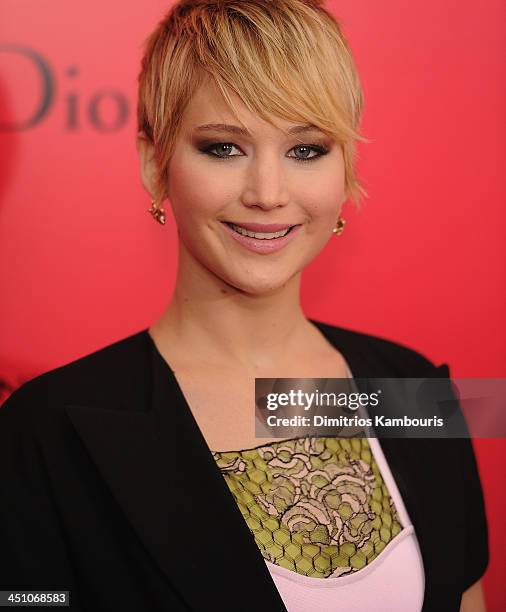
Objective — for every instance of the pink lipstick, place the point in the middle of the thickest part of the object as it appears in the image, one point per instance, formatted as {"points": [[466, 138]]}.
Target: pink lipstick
{"points": [[264, 244]]}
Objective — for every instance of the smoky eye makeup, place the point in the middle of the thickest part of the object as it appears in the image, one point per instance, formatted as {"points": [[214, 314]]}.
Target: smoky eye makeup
{"points": [[300, 152]]}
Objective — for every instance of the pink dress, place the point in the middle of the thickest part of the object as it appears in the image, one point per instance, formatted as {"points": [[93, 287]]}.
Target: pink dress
{"points": [[393, 582], [390, 581]]}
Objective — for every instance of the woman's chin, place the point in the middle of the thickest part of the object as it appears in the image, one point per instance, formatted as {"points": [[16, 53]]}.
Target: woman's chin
{"points": [[259, 285]]}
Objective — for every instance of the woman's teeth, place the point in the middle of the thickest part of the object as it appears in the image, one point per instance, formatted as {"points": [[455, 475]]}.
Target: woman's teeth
{"points": [[259, 235]]}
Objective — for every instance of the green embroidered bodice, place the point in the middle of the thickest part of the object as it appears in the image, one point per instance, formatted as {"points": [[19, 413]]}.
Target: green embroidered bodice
{"points": [[316, 506]]}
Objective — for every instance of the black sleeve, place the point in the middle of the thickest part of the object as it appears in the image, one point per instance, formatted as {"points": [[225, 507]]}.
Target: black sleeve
{"points": [[477, 550], [33, 553], [476, 534]]}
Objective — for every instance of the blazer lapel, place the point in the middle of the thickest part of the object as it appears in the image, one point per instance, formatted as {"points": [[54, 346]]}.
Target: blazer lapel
{"points": [[166, 481]]}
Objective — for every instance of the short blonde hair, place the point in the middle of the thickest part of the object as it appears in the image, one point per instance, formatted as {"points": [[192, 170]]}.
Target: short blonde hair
{"points": [[284, 57]]}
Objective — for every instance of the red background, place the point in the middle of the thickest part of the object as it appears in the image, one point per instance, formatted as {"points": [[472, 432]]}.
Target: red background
{"points": [[82, 264]]}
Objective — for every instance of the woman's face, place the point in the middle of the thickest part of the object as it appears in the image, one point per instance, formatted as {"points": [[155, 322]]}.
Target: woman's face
{"points": [[218, 175]]}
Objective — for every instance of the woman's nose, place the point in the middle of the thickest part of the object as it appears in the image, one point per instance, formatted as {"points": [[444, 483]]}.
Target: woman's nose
{"points": [[265, 184]]}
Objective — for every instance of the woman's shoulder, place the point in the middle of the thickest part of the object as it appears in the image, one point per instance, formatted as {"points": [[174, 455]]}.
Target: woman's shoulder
{"points": [[378, 355], [100, 378]]}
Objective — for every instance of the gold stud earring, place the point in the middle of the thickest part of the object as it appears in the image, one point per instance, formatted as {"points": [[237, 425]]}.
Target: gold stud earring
{"points": [[157, 213], [339, 228]]}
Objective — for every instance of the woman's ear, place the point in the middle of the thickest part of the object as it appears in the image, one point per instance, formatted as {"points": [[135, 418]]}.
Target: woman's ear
{"points": [[148, 165]]}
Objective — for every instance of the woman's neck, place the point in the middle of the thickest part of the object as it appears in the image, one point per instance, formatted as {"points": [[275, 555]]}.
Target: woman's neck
{"points": [[225, 325]]}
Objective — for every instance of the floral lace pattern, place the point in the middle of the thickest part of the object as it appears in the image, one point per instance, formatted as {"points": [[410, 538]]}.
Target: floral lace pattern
{"points": [[316, 506]]}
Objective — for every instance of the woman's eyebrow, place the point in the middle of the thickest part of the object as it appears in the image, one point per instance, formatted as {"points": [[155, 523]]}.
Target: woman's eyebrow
{"points": [[236, 129]]}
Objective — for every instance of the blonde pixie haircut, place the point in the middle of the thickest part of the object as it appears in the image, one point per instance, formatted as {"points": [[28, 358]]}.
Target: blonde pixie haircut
{"points": [[288, 58]]}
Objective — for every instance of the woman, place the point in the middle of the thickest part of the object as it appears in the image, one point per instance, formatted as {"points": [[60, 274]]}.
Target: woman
{"points": [[134, 478]]}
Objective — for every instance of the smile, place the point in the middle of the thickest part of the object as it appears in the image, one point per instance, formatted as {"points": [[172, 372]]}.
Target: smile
{"points": [[263, 242], [259, 235]]}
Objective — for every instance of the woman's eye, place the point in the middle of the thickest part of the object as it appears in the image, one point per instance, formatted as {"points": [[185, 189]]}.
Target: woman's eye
{"points": [[306, 150], [223, 150]]}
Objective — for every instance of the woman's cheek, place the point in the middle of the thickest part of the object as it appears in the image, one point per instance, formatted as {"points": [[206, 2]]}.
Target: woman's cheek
{"points": [[195, 194]]}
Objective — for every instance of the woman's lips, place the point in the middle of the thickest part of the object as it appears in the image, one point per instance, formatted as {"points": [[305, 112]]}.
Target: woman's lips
{"points": [[259, 245]]}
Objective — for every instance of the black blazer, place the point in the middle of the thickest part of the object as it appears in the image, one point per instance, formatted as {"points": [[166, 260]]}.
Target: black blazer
{"points": [[101, 459]]}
